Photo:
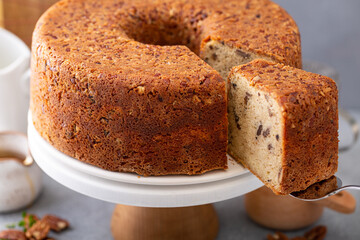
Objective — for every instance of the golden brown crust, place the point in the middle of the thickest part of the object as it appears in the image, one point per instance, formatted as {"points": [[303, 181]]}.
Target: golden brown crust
{"points": [[161, 112], [261, 27], [310, 114], [105, 99], [148, 124]]}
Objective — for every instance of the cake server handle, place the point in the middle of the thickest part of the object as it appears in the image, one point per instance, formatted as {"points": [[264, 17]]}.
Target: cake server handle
{"points": [[342, 202], [354, 128]]}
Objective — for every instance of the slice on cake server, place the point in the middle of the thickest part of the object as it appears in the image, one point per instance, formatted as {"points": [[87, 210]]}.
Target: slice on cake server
{"points": [[283, 124]]}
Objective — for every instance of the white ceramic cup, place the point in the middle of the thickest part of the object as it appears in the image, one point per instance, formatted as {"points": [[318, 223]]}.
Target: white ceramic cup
{"points": [[14, 82]]}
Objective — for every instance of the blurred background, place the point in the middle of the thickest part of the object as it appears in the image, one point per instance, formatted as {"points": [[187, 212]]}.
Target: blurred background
{"points": [[330, 33]]}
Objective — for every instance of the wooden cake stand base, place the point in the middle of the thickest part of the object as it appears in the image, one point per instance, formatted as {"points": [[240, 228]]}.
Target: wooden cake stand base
{"points": [[190, 223]]}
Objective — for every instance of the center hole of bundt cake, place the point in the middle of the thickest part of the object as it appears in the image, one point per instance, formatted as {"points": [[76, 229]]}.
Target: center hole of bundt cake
{"points": [[165, 34], [217, 54], [164, 28]]}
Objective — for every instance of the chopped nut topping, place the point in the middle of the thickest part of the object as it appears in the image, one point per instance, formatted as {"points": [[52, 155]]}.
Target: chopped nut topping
{"points": [[57, 224], [12, 234], [277, 236], [317, 233], [38, 231], [30, 220]]}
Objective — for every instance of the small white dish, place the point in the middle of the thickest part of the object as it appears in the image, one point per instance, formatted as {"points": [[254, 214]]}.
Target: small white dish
{"points": [[19, 185]]}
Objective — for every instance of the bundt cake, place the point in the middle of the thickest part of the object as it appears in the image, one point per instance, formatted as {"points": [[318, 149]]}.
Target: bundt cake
{"points": [[137, 85], [283, 124]]}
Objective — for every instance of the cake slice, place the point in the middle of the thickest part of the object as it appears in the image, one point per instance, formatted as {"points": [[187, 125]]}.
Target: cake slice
{"points": [[283, 124], [318, 190]]}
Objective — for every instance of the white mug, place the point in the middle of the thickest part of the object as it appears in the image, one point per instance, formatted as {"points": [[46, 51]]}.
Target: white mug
{"points": [[14, 82]]}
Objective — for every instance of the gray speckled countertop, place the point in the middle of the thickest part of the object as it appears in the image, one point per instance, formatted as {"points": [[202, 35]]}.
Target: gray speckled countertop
{"points": [[90, 218]]}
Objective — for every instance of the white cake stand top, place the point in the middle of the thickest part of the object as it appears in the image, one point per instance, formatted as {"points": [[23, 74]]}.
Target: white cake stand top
{"points": [[135, 190]]}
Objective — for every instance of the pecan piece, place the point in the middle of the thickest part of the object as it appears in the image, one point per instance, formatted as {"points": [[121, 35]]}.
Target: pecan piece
{"points": [[38, 231], [242, 54], [317, 233], [258, 132], [277, 236], [12, 234], [30, 220], [56, 224], [266, 132]]}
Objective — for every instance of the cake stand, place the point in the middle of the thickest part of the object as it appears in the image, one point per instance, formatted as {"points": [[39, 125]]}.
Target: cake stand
{"points": [[163, 207]]}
